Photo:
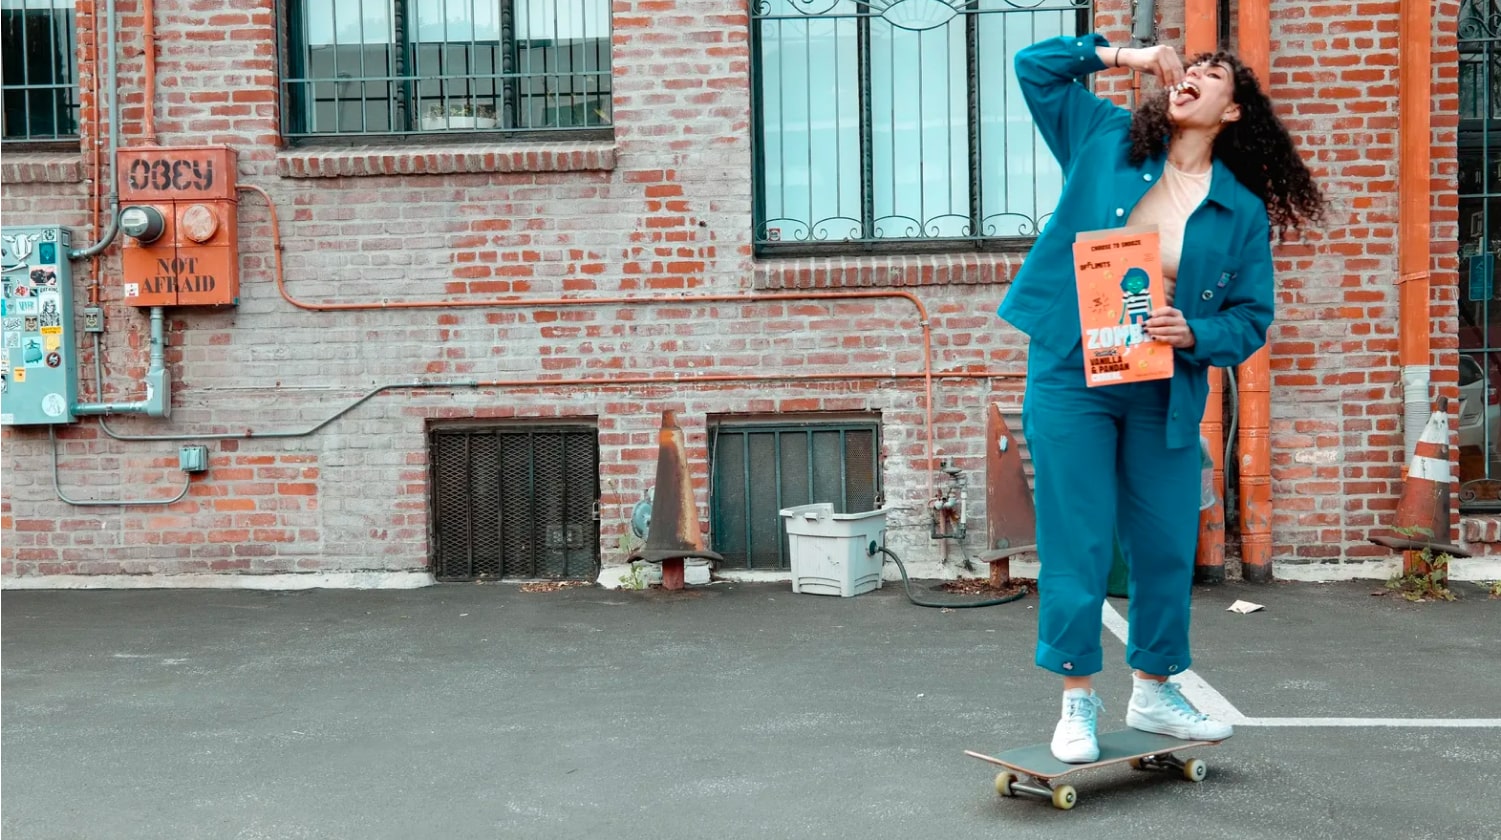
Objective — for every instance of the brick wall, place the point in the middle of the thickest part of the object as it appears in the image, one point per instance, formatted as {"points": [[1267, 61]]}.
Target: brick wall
{"points": [[662, 210]]}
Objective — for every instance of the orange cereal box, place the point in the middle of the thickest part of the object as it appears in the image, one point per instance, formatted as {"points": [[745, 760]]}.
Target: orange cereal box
{"points": [[1119, 273]]}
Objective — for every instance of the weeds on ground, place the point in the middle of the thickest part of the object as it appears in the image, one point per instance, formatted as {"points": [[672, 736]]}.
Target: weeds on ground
{"points": [[1431, 582]]}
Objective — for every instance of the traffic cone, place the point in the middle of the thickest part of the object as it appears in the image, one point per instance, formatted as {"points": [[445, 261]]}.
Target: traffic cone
{"points": [[673, 534], [1423, 512]]}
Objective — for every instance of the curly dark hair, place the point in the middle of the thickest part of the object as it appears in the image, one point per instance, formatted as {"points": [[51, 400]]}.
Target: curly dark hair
{"points": [[1256, 148]]}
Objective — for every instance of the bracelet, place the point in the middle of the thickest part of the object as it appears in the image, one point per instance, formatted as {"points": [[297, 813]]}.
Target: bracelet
{"points": [[1117, 58]]}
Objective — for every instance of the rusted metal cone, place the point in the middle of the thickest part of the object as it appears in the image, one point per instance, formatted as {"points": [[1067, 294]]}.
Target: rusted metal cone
{"points": [[1423, 512], [674, 534]]}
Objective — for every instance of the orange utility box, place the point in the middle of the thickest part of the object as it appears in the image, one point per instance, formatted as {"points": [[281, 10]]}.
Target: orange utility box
{"points": [[179, 216]]}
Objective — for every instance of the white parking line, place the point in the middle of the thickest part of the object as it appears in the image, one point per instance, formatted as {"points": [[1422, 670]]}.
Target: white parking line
{"points": [[1206, 699], [1198, 692]]}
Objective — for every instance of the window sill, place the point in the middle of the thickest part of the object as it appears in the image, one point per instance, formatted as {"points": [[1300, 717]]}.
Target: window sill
{"points": [[968, 269], [42, 168], [445, 160]]}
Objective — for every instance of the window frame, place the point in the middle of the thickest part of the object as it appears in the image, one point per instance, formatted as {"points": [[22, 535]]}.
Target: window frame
{"points": [[55, 142], [289, 47], [763, 247]]}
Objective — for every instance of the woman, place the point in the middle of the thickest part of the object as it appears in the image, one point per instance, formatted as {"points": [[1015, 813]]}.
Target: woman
{"points": [[1207, 162]]}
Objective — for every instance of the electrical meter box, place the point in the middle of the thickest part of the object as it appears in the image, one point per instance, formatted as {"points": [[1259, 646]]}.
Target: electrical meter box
{"points": [[179, 215], [40, 384]]}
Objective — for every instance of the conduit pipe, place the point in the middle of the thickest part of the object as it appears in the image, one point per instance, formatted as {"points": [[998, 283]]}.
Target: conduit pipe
{"points": [[1201, 35], [114, 138], [57, 487], [618, 300], [1413, 196], [158, 401], [1254, 375], [148, 83]]}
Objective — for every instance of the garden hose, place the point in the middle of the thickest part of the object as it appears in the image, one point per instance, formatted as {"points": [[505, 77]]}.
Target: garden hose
{"points": [[873, 549]]}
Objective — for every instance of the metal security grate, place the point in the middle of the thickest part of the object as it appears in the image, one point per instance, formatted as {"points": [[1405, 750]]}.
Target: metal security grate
{"points": [[515, 502], [760, 469]]}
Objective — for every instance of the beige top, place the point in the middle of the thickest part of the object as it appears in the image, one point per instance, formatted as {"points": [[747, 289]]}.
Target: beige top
{"points": [[1168, 204]]}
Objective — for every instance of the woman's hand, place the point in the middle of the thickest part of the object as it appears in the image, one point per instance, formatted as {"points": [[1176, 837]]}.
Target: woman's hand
{"points": [[1168, 326], [1161, 61]]}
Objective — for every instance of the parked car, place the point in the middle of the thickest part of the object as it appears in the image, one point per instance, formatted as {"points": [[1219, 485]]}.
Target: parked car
{"points": [[1479, 407]]}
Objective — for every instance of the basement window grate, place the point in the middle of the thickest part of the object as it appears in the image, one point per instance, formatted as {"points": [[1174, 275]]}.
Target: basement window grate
{"points": [[760, 469], [515, 502]]}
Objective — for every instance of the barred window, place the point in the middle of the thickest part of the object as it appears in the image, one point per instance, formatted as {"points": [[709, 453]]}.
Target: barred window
{"points": [[40, 70], [899, 122], [378, 67]]}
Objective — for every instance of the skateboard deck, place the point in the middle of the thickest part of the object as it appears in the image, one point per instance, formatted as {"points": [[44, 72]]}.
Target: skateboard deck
{"points": [[1143, 750]]}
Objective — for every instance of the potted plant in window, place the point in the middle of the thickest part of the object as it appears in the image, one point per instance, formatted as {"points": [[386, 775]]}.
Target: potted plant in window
{"points": [[459, 115]]}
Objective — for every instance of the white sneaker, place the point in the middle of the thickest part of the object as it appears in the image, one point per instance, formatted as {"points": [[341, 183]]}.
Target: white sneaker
{"points": [[1160, 707], [1074, 738]]}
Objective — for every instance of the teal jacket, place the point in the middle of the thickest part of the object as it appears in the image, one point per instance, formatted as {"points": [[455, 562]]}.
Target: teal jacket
{"points": [[1224, 286]]}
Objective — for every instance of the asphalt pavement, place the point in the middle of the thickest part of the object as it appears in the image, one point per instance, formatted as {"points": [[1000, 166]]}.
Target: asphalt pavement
{"points": [[735, 710]]}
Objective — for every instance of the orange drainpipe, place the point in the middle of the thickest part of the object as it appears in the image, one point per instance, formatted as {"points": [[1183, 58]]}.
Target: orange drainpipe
{"points": [[1254, 376], [1200, 35], [1413, 196], [927, 373]]}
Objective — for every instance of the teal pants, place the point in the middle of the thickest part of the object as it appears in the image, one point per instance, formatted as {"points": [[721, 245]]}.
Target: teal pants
{"points": [[1102, 471]]}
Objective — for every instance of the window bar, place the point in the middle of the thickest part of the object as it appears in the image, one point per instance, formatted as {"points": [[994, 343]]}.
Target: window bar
{"points": [[364, 101], [553, 81], [578, 64], [468, 504], [808, 117], [972, 71], [1484, 247], [26, 73], [404, 51], [57, 71], [333, 10], [304, 49], [776, 458], [844, 470], [539, 542], [745, 469], [509, 105], [757, 147], [867, 131]]}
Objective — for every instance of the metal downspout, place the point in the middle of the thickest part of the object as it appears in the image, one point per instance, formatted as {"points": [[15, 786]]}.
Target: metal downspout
{"points": [[114, 141], [1413, 233], [1201, 35], [1254, 376]]}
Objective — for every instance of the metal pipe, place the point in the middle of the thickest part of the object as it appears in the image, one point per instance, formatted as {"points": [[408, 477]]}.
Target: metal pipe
{"points": [[58, 488], [1255, 376], [148, 84], [1413, 163], [548, 384], [158, 401], [114, 139]]}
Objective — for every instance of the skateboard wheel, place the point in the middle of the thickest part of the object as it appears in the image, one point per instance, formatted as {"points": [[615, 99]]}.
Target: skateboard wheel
{"points": [[1136, 764], [1064, 797], [1195, 770], [1003, 784]]}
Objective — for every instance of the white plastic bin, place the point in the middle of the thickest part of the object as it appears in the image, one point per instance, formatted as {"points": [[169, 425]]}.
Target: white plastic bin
{"points": [[830, 550]]}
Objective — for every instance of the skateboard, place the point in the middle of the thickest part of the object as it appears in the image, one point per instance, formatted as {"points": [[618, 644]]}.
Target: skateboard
{"points": [[1036, 769]]}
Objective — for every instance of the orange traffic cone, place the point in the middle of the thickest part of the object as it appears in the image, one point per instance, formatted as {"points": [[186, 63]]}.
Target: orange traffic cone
{"points": [[673, 533], [1423, 512]]}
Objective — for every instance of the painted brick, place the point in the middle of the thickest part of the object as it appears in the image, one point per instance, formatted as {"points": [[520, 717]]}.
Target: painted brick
{"points": [[664, 209]]}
